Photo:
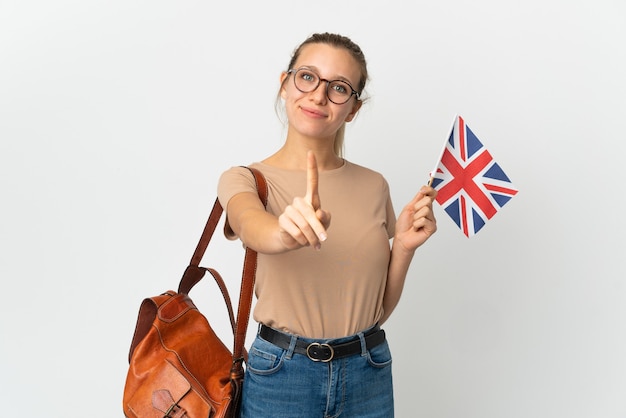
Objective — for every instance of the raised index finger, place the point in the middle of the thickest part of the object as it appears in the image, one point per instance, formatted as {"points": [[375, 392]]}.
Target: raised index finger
{"points": [[312, 195]]}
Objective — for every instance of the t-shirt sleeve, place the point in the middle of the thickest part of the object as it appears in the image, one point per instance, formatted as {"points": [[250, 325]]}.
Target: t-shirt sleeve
{"points": [[391, 214], [233, 181]]}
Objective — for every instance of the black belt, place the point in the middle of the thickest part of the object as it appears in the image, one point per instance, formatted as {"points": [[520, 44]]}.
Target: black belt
{"points": [[324, 352]]}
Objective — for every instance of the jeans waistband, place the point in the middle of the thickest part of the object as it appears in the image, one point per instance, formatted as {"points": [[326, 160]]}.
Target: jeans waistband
{"points": [[323, 351]]}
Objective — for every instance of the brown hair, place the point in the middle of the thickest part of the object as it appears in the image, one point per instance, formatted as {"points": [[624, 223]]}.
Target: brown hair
{"points": [[338, 41]]}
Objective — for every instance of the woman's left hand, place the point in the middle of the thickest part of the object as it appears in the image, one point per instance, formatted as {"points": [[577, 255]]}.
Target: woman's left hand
{"points": [[417, 222]]}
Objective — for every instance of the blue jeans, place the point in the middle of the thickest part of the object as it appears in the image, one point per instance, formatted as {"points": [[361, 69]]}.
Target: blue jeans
{"points": [[280, 383]]}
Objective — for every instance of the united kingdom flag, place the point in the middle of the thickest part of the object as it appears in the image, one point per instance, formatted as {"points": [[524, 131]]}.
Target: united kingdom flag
{"points": [[471, 185]]}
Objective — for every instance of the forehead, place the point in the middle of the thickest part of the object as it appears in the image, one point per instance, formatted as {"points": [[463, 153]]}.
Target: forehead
{"points": [[330, 61]]}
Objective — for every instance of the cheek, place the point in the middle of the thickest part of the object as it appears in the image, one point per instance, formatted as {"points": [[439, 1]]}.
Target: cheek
{"points": [[348, 114], [352, 112], [290, 95], [289, 106]]}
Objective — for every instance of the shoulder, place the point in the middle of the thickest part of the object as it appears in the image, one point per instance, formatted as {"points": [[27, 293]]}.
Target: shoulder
{"points": [[239, 175], [365, 175], [235, 180], [350, 166]]}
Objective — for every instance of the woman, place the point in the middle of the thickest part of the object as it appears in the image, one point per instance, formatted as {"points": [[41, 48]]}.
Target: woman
{"points": [[322, 291]]}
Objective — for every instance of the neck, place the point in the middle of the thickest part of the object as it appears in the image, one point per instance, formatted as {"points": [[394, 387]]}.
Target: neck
{"points": [[292, 155]]}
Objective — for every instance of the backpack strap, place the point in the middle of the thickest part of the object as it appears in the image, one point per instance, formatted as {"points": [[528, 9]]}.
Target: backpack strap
{"points": [[194, 273]]}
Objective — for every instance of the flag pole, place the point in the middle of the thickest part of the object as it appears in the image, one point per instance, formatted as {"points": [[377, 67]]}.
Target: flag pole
{"points": [[443, 149]]}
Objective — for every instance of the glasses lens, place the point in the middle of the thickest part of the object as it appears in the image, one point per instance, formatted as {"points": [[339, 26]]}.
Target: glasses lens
{"points": [[339, 92], [306, 80]]}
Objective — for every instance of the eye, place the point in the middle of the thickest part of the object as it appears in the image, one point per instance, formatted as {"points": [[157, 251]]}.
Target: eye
{"points": [[340, 87], [307, 76]]}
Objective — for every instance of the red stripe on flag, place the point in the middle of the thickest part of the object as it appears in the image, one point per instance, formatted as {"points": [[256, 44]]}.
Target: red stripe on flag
{"points": [[499, 189], [463, 178], [464, 216], [462, 138]]}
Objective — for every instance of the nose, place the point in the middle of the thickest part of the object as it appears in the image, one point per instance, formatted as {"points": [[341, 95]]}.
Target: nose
{"points": [[319, 94]]}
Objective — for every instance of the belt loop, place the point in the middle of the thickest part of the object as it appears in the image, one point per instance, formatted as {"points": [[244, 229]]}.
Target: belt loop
{"points": [[363, 344], [292, 347]]}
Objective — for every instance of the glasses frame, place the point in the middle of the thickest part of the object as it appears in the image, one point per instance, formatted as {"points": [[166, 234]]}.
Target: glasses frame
{"points": [[294, 71]]}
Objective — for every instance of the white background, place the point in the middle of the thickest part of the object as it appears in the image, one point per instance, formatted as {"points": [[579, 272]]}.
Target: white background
{"points": [[117, 117]]}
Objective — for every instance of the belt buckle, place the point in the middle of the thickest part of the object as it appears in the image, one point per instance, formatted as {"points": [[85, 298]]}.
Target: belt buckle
{"points": [[316, 347]]}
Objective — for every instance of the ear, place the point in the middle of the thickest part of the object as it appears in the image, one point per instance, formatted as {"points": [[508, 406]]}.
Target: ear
{"points": [[283, 77], [355, 109]]}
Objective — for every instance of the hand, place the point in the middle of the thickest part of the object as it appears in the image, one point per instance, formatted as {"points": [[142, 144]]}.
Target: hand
{"points": [[304, 223], [417, 222]]}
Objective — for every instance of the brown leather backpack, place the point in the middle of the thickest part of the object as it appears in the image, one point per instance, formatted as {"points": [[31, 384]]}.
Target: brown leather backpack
{"points": [[178, 365]]}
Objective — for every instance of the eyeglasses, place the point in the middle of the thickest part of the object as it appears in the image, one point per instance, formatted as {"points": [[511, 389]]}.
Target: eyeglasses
{"points": [[337, 91]]}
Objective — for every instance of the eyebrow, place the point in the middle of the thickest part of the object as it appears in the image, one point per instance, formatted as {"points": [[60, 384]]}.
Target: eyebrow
{"points": [[314, 68]]}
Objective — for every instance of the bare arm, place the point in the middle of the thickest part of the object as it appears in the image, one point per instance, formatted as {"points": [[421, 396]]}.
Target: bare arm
{"points": [[415, 225]]}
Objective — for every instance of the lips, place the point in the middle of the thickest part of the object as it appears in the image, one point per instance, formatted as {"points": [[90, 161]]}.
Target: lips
{"points": [[314, 113]]}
